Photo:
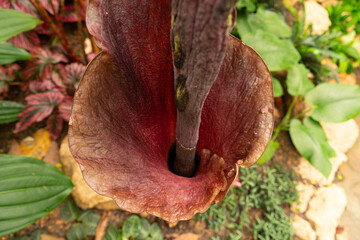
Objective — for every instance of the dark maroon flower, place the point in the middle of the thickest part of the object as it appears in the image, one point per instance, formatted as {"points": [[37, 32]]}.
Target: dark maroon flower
{"points": [[126, 117]]}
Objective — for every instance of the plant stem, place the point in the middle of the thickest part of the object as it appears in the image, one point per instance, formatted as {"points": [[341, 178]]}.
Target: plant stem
{"points": [[60, 34], [284, 124]]}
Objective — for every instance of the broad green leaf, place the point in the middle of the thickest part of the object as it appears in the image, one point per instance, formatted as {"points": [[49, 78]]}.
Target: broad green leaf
{"points": [[76, 232], [13, 22], [69, 210], [90, 220], [112, 233], [278, 90], [265, 20], [155, 232], [318, 132], [131, 226], [9, 111], [278, 54], [29, 190], [269, 152], [9, 53], [144, 230], [309, 147], [297, 80], [334, 102]]}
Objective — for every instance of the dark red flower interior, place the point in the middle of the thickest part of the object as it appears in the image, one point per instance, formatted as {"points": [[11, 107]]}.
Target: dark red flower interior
{"points": [[124, 115]]}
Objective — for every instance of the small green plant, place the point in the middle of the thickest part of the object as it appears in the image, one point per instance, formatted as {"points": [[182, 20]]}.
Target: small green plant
{"points": [[264, 191], [300, 52], [135, 228], [85, 222]]}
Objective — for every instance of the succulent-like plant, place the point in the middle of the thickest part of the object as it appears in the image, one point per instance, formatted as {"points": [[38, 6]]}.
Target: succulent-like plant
{"points": [[170, 108]]}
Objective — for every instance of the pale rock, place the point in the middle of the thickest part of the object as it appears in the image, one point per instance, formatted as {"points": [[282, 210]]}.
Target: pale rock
{"points": [[87, 46], [341, 136], [303, 229], [349, 79], [52, 155], [308, 172], [49, 237], [305, 191], [83, 195], [188, 236], [14, 148], [325, 210], [342, 235], [316, 15]]}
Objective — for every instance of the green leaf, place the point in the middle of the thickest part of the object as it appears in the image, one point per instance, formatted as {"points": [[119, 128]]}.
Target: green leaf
{"points": [[112, 233], [297, 81], [334, 102], [69, 210], [155, 232], [318, 132], [278, 90], [90, 220], [144, 230], [265, 20], [9, 53], [248, 4], [9, 111], [131, 226], [29, 190], [269, 152], [76, 232], [278, 54], [13, 22], [309, 146]]}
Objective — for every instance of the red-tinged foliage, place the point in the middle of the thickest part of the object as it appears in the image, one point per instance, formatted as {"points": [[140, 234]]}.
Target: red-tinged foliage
{"points": [[69, 14], [72, 73], [28, 40], [7, 74], [47, 6], [55, 125], [38, 107], [42, 64], [40, 86], [65, 108]]}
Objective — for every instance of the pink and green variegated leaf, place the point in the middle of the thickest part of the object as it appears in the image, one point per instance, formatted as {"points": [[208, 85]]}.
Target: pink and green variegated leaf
{"points": [[5, 4], [27, 40], [69, 14], [7, 74], [41, 65], [38, 107], [40, 86], [65, 108], [46, 4], [72, 73], [55, 125]]}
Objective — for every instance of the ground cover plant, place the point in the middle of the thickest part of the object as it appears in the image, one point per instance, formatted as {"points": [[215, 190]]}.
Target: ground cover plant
{"points": [[264, 192]]}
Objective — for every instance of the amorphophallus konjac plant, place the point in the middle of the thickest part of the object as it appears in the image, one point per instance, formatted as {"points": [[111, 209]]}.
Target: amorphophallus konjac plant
{"points": [[170, 108]]}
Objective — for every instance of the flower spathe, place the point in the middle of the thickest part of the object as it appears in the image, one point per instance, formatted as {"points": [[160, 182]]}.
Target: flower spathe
{"points": [[124, 117]]}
